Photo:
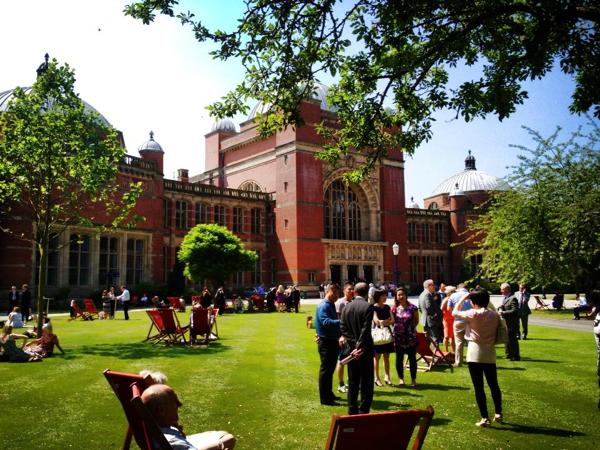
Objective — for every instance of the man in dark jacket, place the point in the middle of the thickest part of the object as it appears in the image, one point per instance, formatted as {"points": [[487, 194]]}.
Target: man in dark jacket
{"points": [[327, 327], [509, 310], [356, 322], [25, 302]]}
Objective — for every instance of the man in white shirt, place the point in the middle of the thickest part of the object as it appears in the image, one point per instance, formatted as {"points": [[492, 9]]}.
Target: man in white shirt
{"points": [[162, 403], [125, 298], [340, 304], [459, 325]]}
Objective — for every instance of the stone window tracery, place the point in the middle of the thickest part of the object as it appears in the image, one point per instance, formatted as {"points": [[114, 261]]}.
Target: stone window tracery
{"points": [[342, 213]]}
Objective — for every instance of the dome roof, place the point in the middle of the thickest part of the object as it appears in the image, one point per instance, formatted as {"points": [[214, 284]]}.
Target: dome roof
{"points": [[224, 125], [6, 96], [320, 92], [150, 145], [468, 180]]}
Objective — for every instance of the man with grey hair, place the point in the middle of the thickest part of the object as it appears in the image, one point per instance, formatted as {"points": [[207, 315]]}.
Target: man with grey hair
{"points": [[459, 325], [431, 314], [509, 310]]}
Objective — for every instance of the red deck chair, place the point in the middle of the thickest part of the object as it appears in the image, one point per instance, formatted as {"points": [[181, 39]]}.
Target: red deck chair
{"points": [[77, 310], [120, 383], [135, 299], [174, 302], [155, 322], [200, 326], [382, 431], [213, 322], [168, 326], [88, 303], [429, 352]]}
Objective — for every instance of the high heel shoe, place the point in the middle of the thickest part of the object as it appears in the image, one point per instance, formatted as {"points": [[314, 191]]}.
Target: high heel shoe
{"points": [[387, 381], [378, 382]]}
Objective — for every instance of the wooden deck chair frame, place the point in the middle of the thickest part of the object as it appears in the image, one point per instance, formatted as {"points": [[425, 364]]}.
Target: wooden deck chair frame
{"points": [[155, 323], [382, 431], [88, 303], [215, 326], [430, 353], [120, 382], [172, 330], [540, 304], [145, 428]]}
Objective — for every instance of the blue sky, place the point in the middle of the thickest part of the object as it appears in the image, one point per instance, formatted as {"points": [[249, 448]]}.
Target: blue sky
{"points": [[159, 78]]}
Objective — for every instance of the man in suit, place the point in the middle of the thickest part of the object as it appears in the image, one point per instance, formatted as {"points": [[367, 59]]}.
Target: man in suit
{"points": [[431, 314], [524, 310], [13, 298], [25, 302], [509, 310], [357, 318]]}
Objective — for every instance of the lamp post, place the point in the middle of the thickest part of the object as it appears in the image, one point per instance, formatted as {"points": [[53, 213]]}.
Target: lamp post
{"points": [[396, 250]]}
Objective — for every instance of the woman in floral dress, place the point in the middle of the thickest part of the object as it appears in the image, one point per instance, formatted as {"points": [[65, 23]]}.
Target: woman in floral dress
{"points": [[406, 318]]}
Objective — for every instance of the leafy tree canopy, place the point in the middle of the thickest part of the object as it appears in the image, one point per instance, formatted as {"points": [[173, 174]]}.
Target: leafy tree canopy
{"points": [[398, 52], [546, 228], [212, 252], [58, 162]]}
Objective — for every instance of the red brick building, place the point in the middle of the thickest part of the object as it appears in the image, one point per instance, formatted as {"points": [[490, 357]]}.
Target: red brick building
{"points": [[306, 225]]}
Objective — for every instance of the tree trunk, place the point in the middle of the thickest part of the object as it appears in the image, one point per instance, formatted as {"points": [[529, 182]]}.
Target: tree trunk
{"points": [[41, 286]]}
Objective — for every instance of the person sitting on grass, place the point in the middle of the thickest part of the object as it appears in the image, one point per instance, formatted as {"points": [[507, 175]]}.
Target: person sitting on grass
{"points": [[44, 346], [163, 404], [15, 318], [15, 354]]}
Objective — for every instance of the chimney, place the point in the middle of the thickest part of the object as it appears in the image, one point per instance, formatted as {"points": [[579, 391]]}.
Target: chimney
{"points": [[182, 175]]}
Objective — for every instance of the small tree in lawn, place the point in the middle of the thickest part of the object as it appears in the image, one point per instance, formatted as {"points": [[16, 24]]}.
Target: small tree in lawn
{"points": [[58, 161], [212, 252]]}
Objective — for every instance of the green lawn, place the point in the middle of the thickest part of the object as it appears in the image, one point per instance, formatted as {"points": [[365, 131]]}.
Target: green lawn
{"points": [[259, 381]]}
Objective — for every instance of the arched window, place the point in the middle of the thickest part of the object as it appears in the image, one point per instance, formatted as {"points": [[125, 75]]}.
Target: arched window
{"points": [[342, 213], [434, 205], [250, 186]]}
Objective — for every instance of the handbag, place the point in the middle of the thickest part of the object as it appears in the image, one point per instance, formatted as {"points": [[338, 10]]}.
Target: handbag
{"points": [[381, 335], [502, 332]]}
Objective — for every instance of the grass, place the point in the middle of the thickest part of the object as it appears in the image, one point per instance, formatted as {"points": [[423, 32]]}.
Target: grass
{"points": [[259, 381], [558, 314]]}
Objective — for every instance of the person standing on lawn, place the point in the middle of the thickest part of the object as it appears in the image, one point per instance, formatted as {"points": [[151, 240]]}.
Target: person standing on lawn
{"points": [[595, 302], [459, 325], [431, 313], [124, 298], [13, 299], [356, 322], [25, 302], [524, 310], [509, 310], [340, 304], [327, 327]]}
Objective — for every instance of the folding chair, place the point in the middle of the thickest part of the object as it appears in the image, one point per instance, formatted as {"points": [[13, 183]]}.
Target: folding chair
{"points": [[429, 352], [88, 303], [155, 322], [170, 330], [145, 428], [77, 310], [200, 326], [212, 319], [539, 303], [120, 383], [174, 302], [381, 431]]}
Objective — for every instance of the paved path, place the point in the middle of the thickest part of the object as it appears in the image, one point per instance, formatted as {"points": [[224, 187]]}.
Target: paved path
{"points": [[575, 325]]}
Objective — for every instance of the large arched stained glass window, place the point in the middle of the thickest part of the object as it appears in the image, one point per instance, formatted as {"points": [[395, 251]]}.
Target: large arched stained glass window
{"points": [[342, 213]]}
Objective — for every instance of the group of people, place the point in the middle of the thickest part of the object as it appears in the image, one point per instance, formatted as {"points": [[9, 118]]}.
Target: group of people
{"points": [[33, 351], [347, 325], [22, 300], [283, 299]]}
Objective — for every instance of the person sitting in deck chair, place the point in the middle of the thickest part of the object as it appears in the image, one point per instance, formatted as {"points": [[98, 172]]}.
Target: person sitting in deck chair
{"points": [[162, 402]]}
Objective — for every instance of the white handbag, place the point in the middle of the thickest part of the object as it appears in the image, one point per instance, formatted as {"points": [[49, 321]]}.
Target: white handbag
{"points": [[381, 335]]}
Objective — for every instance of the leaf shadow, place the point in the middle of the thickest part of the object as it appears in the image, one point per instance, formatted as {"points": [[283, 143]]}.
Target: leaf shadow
{"points": [[140, 350]]}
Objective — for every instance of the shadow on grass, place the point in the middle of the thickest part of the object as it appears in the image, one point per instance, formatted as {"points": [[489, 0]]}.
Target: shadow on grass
{"points": [[528, 429], [440, 387], [538, 360], [543, 339], [440, 421], [139, 350], [384, 405], [510, 368]]}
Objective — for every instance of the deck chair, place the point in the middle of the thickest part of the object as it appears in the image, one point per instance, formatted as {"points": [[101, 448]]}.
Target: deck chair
{"points": [[77, 310], [88, 303], [382, 431], [120, 383], [539, 303], [430, 353], [145, 428], [174, 303], [156, 324], [213, 322], [169, 328], [200, 326]]}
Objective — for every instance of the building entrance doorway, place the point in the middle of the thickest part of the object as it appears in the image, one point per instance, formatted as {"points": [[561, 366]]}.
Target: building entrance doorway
{"points": [[352, 273], [368, 271], [336, 273]]}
